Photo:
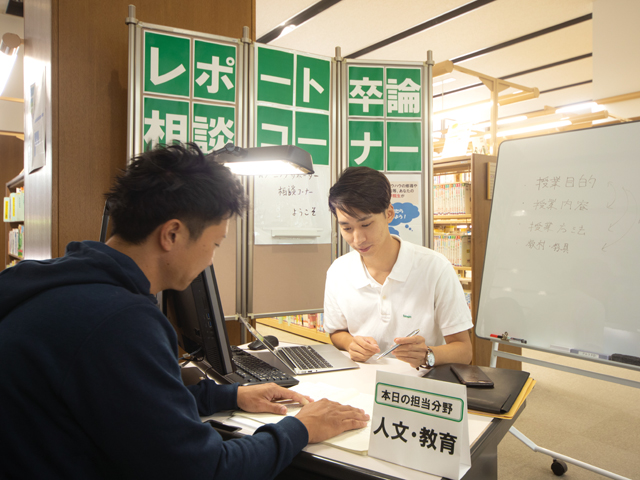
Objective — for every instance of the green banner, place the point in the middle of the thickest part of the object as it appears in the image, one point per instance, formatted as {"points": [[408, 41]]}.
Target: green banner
{"points": [[215, 71], [165, 121], [312, 135], [213, 126], [366, 144], [366, 92], [167, 64], [403, 91], [404, 149]]}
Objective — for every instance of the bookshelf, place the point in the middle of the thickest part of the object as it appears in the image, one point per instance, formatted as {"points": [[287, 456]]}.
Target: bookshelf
{"points": [[282, 323], [477, 170], [14, 246]]}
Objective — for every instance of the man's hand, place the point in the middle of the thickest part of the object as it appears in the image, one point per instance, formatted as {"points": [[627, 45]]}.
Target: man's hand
{"points": [[325, 419], [411, 350], [261, 398], [362, 349]]}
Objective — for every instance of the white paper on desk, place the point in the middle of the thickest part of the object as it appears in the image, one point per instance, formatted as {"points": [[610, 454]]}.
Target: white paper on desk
{"points": [[356, 441]]}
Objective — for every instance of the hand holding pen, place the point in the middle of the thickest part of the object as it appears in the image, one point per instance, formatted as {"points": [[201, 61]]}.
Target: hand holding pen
{"points": [[398, 343]]}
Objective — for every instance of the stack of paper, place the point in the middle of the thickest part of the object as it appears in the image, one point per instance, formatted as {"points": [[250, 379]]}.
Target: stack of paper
{"points": [[356, 441]]}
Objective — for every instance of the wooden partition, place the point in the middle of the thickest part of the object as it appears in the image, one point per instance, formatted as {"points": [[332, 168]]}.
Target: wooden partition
{"points": [[289, 278]]}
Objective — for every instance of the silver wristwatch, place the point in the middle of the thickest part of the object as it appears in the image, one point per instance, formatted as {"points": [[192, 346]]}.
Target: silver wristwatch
{"points": [[429, 359]]}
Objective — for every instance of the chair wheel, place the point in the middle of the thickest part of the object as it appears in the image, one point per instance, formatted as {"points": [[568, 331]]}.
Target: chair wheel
{"points": [[558, 467]]}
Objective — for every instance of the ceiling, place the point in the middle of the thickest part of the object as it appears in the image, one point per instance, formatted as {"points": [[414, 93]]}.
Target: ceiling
{"points": [[546, 44]]}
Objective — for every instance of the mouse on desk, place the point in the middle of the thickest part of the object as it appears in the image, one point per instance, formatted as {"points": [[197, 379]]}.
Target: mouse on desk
{"points": [[257, 344]]}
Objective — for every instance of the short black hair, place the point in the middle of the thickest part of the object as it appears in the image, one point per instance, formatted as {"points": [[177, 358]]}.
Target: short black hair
{"points": [[175, 181], [360, 189]]}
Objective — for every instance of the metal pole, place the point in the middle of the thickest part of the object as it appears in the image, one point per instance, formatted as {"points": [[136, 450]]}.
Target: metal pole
{"points": [[131, 21], [428, 170]]}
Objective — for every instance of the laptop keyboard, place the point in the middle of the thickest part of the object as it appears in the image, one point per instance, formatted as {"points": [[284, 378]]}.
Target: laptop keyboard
{"points": [[255, 370], [305, 357]]}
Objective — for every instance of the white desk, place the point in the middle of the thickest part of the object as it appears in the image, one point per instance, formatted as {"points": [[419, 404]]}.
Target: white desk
{"points": [[484, 434]]}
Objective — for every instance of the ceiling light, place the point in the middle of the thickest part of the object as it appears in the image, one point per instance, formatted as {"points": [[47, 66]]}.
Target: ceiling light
{"points": [[532, 128], [577, 107], [287, 30], [446, 80]]}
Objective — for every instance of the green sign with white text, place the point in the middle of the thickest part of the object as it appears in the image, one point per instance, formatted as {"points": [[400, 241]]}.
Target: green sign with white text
{"points": [[404, 152], [165, 121], [215, 71], [167, 64], [312, 135], [366, 144]]}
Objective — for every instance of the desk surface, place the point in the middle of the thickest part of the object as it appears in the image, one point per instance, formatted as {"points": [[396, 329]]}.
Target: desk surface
{"points": [[363, 379]]}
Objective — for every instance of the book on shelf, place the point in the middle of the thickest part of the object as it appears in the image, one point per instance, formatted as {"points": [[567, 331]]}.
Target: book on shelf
{"points": [[457, 248], [452, 199], [14, 206]]}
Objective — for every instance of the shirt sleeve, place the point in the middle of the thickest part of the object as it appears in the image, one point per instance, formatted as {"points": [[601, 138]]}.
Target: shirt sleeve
{"points": [[211, 397], [126, 391], [334, 319], [451, 311]]}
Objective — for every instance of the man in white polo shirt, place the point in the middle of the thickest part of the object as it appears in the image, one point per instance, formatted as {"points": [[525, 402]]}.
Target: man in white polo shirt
{"points": [[387, 287]]}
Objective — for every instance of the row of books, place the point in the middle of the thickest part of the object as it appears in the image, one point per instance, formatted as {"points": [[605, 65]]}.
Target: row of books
{"points": [[16, 241], [452, 199], [457, 248], [14, 206], [308, 320], [452, 178]]}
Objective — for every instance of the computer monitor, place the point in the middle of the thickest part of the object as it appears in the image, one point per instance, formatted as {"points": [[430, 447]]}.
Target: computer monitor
{"points": [[198, 317]]}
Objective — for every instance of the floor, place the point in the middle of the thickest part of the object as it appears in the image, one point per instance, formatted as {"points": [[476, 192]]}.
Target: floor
{"points": [[584, 418]]}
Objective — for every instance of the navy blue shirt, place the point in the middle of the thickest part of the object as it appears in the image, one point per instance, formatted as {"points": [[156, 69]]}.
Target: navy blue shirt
{"points": [[90, 386]]}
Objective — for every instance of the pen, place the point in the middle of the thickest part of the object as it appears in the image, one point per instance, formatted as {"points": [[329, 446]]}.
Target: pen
{"points": [[387, 352], [508, 338]]}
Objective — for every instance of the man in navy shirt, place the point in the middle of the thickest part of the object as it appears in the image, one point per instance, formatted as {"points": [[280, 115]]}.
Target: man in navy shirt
{"points": [[90, 384]]}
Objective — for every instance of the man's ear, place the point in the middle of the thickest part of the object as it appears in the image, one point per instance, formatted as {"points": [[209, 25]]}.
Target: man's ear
{"points": [[170, 234], [391, 213]]}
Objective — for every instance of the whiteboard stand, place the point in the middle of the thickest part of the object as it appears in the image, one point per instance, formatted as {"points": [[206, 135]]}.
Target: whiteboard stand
{"points": [[558, 466]]}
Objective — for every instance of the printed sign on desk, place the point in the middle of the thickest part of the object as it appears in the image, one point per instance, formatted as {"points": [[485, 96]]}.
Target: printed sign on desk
{"points": [[421, 424]]}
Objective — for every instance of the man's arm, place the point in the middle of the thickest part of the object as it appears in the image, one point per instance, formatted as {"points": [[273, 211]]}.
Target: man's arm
{"points": [[360, 349], [457, 349]]}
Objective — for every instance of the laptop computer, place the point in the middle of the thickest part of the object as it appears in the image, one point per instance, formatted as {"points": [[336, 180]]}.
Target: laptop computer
{"points": [[304, 359]]}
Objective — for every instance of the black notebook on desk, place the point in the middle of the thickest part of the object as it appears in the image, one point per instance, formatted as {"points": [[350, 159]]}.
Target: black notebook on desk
{"points": [[507, 386]]}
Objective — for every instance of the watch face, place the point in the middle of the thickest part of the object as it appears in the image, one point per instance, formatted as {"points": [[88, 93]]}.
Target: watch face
{"points": [[431, 359]]}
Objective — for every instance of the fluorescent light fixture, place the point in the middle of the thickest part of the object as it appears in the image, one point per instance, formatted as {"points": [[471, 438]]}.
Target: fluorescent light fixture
{"points": [[273, 160], [532, 128], [503, 121], [446, 80], [577, 107], [287, 30], [465, 110]]}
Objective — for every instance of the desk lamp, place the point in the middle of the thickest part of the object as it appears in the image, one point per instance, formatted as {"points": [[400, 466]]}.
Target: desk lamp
{"points": [[272, 160]]}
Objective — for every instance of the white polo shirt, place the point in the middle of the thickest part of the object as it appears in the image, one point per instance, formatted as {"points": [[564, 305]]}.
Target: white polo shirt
{"points": [[422, 291]]}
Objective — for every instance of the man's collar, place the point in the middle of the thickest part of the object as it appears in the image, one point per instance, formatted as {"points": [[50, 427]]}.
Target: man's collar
{"points": [[399, 272]]}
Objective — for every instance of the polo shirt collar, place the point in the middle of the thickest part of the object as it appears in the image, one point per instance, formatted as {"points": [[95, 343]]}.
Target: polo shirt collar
{"points": [[399, 272]]}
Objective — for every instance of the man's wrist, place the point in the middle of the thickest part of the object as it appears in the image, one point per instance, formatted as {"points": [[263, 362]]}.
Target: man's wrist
{"points": [[429, 359]]}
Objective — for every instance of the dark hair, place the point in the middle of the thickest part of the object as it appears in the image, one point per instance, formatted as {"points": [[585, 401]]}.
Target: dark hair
{"points": [[360, 189], [175, 181]]}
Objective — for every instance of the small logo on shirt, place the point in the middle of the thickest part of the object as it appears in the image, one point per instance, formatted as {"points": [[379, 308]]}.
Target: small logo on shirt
{"points": [[406, 316]]}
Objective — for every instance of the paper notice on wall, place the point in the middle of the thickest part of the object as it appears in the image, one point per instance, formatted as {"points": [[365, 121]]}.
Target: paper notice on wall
{"points": [[38, 122]]}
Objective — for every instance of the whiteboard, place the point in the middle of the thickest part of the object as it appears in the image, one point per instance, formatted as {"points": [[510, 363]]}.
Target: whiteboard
{"points": [[562, 265], [292, 209]]}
